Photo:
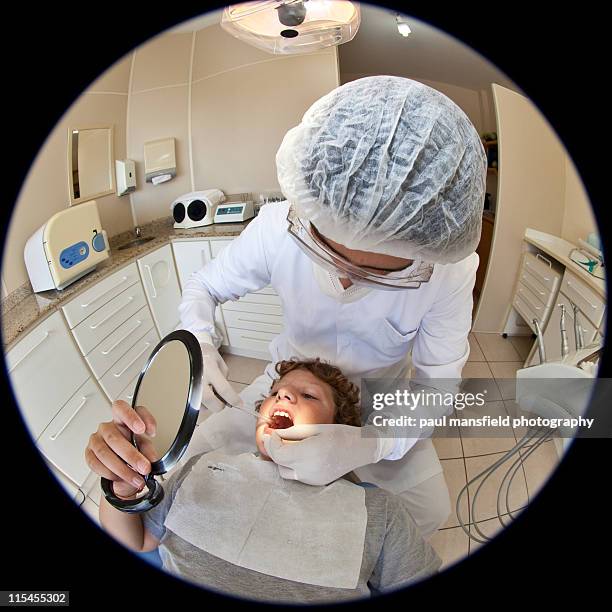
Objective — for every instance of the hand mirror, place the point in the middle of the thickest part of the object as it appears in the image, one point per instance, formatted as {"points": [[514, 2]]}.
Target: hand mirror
{"points": [[170, 388]]}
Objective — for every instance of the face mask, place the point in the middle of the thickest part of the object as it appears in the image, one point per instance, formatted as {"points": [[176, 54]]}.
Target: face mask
{"points": [[331, 286]]}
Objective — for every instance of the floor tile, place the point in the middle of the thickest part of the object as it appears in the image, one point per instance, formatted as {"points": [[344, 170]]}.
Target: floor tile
{"points": [[454, 474], [486, 440], [505, 376], [497, 348], [486, 502], [489, 528], [522, 344], [476, 353], [451, 545], [476, 369], [448, 447], [539, 466], [243, 369]]}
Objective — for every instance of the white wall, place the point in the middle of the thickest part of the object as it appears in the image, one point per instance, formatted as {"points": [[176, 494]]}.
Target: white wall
{"points": [[578, 218], [45, 190], [227, 104]]}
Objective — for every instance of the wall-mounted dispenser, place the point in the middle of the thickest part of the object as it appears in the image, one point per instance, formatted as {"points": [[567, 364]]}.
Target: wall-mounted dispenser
{"points": [[160, 160], [125, 170]]}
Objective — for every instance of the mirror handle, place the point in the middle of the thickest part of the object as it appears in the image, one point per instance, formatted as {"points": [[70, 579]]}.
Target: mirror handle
{"points": [[140, 504]]}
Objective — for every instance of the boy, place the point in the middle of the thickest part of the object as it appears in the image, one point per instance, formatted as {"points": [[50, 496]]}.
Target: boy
{"points": [[232, 524]]}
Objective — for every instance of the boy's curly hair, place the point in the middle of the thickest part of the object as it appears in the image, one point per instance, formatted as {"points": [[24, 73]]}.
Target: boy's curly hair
{"points": [[345, 393]]}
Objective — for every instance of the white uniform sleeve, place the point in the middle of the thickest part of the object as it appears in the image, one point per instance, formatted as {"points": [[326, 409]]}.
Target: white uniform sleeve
{"points": [[441, 347], [244, 266]]}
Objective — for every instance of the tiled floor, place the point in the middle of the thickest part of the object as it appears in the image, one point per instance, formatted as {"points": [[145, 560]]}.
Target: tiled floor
{"points": [[463, 457]]}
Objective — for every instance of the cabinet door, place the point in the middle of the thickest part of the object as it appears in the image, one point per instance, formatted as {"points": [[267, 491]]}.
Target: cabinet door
{"points": [[45, 369], [161, 288], [191, 257], [63, 442]]}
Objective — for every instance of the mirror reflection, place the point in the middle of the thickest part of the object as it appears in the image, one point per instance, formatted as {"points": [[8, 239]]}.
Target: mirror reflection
{"points": [[531, 306], [164, 392], [90, 167]]}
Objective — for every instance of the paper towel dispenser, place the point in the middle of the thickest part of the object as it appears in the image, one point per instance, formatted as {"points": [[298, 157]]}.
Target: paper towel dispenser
{"points": [[159, 160]]}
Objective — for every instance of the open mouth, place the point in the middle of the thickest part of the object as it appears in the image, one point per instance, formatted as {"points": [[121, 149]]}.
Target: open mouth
{"points": [[280, 419]]}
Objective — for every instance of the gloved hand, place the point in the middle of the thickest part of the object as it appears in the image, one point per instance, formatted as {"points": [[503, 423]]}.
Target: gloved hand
{"points": [[215, 373], [326, 452]]}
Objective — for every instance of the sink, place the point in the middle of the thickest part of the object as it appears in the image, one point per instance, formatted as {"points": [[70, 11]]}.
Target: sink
{"points": [[135, 242]]}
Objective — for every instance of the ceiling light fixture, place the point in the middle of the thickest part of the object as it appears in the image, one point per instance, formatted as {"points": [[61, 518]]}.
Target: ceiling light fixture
{"points": [[402, 25], [292, 26]]}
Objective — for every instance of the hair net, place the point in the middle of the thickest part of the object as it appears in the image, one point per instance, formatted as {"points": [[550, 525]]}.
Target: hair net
{"points": [[388, 165]]}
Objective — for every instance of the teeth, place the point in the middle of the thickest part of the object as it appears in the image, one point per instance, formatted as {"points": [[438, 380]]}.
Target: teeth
{"points": [[281, 413]]}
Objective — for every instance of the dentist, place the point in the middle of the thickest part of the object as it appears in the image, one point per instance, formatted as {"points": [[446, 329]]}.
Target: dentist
{"points": [[373, 257]]}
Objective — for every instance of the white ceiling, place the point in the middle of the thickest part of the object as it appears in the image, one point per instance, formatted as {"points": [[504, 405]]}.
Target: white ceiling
{"points": [[378, 48]]}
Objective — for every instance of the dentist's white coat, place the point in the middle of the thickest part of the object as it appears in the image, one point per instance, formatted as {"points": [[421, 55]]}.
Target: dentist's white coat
{"points": [[371, 337]]}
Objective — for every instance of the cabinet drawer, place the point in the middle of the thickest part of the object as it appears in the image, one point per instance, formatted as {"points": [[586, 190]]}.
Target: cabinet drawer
{"points": [[216, 246], [117, 378], [63, 442], [45, 369], [526, 312], [261, 298], [545, 275], [250, 339], [89, 301], [107, 319], [543, 294], [128, 393], [587, 300], [240, 306], [523, 292], [112, 348], [255, 321]]}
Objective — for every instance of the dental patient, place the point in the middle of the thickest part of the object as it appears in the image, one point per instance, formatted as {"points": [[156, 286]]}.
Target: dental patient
{"points": [[231, 523]]}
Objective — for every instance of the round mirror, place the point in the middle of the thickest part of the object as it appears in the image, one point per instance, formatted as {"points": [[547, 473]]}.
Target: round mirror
{"points": [[169, 388]]}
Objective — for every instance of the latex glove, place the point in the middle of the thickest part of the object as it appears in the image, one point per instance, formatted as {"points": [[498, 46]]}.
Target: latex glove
{"points": [[324, 453], [214, 373]]}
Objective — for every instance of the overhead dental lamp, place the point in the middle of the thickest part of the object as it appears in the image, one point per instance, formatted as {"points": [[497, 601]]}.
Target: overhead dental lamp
{"points": [[292, 26]]}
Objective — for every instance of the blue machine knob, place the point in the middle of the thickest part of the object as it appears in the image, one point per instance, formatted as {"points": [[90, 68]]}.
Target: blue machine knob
{"points": [[98, 242]]}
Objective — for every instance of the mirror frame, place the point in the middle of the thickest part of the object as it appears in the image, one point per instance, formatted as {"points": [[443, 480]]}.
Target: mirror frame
{"points": [[111, 164], [183, 436]]}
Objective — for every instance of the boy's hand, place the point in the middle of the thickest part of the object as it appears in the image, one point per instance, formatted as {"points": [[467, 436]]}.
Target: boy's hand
{"points": [[110, 453]]}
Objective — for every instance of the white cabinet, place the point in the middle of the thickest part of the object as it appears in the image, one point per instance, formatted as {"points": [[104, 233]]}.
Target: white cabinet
{"points": [[191, 256], [116, 338], [590, 312], [162, 289], [45, 369], [64, 440]]}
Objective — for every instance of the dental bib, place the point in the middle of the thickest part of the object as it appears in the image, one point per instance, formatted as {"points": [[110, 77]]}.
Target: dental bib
{"points": [[238, 508]]}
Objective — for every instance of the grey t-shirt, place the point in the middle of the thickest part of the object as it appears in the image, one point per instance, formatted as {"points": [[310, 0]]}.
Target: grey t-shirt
{"points": [[395, 554]]}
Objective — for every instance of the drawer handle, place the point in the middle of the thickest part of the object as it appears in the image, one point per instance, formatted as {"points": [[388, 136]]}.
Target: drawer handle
{"points": [[112, 348], [105, 292], [538, 256], [31, 350], [593, 306], [129, 365], [152, 283], [59, 433], [112, 314]]}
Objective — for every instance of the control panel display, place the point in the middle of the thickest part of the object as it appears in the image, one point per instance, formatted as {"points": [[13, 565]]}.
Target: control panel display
{"points": [[74, 254]]}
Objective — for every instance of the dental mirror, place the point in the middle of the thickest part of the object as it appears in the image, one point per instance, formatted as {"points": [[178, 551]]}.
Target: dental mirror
{"points": [[170, 388]]}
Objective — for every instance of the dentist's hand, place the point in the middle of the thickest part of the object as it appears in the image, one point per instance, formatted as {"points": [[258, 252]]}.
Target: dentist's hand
{"points": [[215, 373], [110, 452], [324, 453]]}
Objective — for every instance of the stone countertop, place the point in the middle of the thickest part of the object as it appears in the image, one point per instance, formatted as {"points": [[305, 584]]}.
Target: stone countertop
{"points": [[22, 309]]}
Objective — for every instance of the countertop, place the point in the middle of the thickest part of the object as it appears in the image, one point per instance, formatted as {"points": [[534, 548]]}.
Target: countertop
{"points": [[560, 249], [22, 309]]}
